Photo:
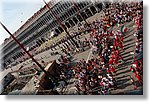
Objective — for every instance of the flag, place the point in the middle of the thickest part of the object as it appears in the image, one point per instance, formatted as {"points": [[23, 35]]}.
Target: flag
{"points": [[117, 24], [123, 29]]}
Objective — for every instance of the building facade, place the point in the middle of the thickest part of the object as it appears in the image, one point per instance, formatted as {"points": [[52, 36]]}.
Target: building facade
{"points": [[37, 29]]}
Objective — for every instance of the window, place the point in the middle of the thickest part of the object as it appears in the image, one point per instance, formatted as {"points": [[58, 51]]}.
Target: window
{"points": [[67, 15], [75, 9], [55, 23], [64, 6], [52, 24], [50, 16], [58, 9], [72, 11], [44, 20], [63, 17], [82, 4], [69, 12], [68, 3]]}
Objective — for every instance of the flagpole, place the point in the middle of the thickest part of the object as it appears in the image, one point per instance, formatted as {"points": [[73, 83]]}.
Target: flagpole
{"points": [[40, 66], [62, 25]]}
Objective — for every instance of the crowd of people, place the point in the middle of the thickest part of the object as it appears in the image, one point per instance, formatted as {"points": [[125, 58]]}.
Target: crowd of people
{"points": [[96, 76], [137, 66]]}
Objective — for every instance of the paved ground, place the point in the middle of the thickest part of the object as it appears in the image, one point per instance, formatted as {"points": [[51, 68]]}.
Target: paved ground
{"points": [[124, 83], [123, 80]]}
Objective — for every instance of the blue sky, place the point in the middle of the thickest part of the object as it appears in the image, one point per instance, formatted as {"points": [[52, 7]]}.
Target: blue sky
{"points": [[14, 13]]}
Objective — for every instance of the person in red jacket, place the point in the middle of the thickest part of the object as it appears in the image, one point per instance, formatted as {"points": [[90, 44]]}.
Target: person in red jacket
{"points": [[110, 61], [139, 78], [112, 69]]}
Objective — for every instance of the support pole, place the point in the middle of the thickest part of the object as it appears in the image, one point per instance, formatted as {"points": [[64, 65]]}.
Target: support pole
{"points": [[62, 25], [40, 66]]}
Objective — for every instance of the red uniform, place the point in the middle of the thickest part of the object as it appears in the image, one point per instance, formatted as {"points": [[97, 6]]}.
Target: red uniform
{"points": [[112, 69], [110, 61], [138, 77], [121, 38], [116, 60], [108, 71], [113, 56], [120, 45]]}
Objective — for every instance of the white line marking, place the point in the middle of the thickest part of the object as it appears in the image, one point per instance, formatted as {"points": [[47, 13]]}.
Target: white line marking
{"points": [[89, 55]]}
